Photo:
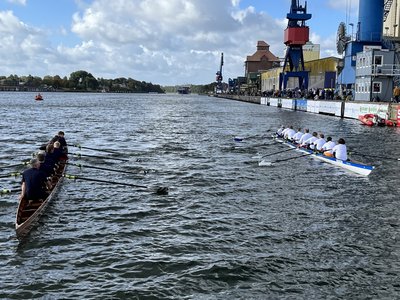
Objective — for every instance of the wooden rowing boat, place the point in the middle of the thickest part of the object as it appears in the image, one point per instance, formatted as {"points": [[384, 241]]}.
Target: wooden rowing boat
{"points": [[355, 167], [29, 213]]}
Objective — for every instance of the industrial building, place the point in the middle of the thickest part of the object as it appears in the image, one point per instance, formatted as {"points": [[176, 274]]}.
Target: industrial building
{"points": [[321, 72], [361, 81], [262, 59], [391, 19]]}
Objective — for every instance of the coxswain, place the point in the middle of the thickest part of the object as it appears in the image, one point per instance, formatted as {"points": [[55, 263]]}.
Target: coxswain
{"points": [[34, 183], [317, 145], [340, 150]]}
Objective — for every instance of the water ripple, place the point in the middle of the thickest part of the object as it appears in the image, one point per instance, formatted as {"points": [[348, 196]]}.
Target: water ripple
{"points": [[228, 229]]}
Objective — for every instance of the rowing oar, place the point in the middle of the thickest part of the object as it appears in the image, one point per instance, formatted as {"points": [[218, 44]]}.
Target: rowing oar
{"points": [[96, 149], [22, 163], [15, 174], [269, 163], [375, 156], [9, 191], [107, 169], [98, 156], [159, 190]]}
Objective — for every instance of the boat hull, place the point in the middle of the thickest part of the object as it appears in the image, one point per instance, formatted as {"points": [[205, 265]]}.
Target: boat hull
{"points": [[369, 120], [357, 168], [27, 217]]}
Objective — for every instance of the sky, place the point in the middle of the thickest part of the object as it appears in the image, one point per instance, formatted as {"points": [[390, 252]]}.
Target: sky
{"points": [[166, 42]]}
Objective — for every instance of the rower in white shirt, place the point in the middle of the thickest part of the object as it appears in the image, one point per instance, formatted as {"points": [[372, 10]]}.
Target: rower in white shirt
{"points": [[328, 146], [340, 150], [279, 131], [305, 136], [284, 131], [297, 135], [289, 133], [317, 145], [308, 143]]}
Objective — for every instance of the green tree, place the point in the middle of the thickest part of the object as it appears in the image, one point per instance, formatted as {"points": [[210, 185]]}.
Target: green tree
{"points": [[82, 80]]}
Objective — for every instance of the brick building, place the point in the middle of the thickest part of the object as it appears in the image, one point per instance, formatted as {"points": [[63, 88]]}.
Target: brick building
{"points": [[262, 59]]}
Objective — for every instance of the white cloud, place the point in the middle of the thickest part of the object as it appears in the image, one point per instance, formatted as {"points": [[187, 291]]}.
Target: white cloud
{"points": [[162, 41], [183, 39]]}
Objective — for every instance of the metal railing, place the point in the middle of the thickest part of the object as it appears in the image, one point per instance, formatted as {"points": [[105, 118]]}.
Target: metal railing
{"points": [[385, 70], [386, 9]]}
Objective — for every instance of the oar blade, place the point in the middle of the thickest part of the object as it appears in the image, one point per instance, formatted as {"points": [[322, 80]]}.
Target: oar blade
{"points": [[265, 163], [9, 191], [163, 190], [159, 190], [95, 149]]}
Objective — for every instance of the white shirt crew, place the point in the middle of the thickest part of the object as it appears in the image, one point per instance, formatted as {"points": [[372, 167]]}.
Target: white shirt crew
{"points": [[305, 137], [310, 141], [290, 133], [319, 143], [328, 146], [340, 151], [297, 136]]}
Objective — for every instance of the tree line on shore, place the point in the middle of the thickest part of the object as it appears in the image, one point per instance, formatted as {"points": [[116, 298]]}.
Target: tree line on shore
{"points": [[82, 81], [79, 81]]}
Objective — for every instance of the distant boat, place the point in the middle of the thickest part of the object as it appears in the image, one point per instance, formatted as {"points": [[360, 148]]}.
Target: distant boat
{"points": [[39, 97], [184, 90]]}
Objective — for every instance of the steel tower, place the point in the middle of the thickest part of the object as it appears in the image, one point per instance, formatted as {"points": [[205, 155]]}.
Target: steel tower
{"points": [[296, 35]]}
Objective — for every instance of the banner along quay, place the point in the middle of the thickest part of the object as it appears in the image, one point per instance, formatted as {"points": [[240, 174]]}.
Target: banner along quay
{"points": [[337, 108]]}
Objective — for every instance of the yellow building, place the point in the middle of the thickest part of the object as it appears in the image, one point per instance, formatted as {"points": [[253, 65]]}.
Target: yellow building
{"points": [[311, 51], [322, 74]]}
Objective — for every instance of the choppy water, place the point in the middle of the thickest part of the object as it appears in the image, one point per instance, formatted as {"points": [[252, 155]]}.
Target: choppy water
{"points": [[228, 229]]}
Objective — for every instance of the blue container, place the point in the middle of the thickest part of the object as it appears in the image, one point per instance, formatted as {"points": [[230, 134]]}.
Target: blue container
{"points": [[370, 20]]}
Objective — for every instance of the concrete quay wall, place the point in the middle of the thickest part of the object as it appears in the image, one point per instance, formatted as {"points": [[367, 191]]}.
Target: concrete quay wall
{"points": [[337, 108], [250, 99]]}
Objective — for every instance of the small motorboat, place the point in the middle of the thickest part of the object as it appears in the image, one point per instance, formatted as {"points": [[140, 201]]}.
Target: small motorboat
{"points": [[374, 119], [38, 97]]}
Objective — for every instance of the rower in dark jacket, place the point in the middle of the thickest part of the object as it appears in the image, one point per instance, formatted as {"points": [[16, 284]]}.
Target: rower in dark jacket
{"points": [[60, 137], [57, 152], [34, 182]]}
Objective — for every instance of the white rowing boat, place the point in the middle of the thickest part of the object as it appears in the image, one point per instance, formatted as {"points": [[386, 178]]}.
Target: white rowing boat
{"points": [[355, 167]]}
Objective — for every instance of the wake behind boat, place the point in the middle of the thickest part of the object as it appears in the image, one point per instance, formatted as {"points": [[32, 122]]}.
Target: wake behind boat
{"points": [[355, 167]]}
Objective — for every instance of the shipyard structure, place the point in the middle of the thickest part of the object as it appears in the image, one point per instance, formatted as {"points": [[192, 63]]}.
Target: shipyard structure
{"points": [[363, 78]]}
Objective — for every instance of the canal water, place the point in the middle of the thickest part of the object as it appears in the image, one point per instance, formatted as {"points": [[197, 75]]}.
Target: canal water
{"points": [[228, 229]]}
